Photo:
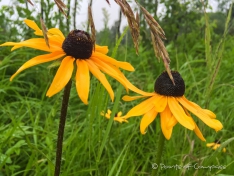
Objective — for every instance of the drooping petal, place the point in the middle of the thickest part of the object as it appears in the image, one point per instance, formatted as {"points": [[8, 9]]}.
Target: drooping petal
{"points": [[160, 103], [101, 77], [105, 67], [179, 113], [196, 129], [38, 60], [62, 76], [135, 89], [147, 119], [36, 43], [172, 122], [101, 49], [105, 58], [165, 117], [206, 111], [82, 80], [33, 26], [198, 132], [199, 112], [131, 98], [141, 108], [209, 113], [129, 84]]}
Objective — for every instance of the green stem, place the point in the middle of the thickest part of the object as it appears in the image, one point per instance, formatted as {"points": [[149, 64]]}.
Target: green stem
{"points": [[62, 122], [159, 153]]}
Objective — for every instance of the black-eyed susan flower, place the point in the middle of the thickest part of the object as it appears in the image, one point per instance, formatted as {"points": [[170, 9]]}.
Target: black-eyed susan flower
{"points": [[76, 47], [216, 144], [118, 116], [170, 102]]}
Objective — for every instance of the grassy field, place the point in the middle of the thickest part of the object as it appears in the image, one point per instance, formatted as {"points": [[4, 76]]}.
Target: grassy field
{"points": [[94, 145]]}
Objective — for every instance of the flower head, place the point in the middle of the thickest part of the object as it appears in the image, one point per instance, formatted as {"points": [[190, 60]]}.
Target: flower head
{"points": [[118, 116], [76, 47], [169, 101], [216, 144]]}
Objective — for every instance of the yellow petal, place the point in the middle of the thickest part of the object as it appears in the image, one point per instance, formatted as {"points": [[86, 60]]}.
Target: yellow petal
{"points": [[56, 39], [135, 89], [120, 119], [179, 114], [55, 31], [147, 119], [38, 60], [101, 49], [108, 114], [109, 70], [62, 76], [119, 114], [101, 77], [206, 111], [216, 146], [165, 117], [33, 26], [172, 122], [209, 113], [36, 43], [120, 74], [160, 103], [198, 132], [142, 108], [82, 80], [102, 113], [210, 144], [129, 84], [109, 111], [196, 129], [199, 112], [131, 98], [105, 58]]}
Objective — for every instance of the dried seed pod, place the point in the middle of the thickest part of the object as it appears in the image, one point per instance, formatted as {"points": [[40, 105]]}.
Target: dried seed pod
{"points": [[132, 21], [62, 7], [44, 31], [92, 26]]}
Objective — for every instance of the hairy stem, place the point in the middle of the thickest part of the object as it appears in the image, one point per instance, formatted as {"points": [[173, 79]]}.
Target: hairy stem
{"points": [[61, 128]]}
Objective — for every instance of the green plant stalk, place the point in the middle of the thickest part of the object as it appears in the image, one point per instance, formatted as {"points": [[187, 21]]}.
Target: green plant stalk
{"points": [[62, 122], [217, 59], [159, 153]]}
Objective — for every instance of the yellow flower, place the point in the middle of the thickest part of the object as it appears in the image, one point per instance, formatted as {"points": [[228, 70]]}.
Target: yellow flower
{"points": [[170, 102], [117, 117], [76, 47], [215, 145]]}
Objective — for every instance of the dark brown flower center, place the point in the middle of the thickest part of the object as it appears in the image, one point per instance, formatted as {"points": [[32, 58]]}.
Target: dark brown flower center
{"points": [[78, 44], [164, 85]]}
